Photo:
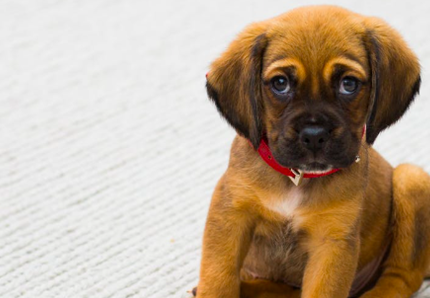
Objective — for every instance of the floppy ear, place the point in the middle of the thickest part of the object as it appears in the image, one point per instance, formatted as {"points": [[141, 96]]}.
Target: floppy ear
{"points": [[395, 75], [234, 83]]}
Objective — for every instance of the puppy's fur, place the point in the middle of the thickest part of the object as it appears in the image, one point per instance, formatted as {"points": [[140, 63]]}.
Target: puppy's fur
{"points": [[264, 236]]}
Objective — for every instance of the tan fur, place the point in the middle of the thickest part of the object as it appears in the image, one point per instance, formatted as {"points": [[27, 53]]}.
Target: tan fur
{"points": [[263, 234]]}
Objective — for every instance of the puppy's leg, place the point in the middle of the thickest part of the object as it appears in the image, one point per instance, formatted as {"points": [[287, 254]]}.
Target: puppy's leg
{"points": [[333, 250], [409, 255], [228, 234], [261, 288]]}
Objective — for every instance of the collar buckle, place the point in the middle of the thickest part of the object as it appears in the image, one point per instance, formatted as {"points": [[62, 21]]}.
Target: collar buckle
{"points": [[298, 177]]}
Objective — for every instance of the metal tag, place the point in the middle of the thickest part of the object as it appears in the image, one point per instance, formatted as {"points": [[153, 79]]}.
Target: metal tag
{"points": [[298, 177]]}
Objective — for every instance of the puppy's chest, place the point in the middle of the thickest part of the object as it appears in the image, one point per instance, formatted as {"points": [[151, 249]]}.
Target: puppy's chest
{"points": [[286, 206], [276, 251], [282, 220]]}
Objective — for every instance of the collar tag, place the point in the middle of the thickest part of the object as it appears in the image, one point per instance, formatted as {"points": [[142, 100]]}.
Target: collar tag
{"points": [[298, 178]]}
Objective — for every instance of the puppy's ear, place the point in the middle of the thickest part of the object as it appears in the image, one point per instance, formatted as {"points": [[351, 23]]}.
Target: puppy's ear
{"points": [[234, 83], [395, 76]]}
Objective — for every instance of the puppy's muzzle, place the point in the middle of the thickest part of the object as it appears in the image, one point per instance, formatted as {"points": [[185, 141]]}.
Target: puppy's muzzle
{"points": [[314, 138]]}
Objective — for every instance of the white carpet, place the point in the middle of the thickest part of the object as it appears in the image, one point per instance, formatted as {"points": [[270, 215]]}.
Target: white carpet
{"points": [[109, 148]]}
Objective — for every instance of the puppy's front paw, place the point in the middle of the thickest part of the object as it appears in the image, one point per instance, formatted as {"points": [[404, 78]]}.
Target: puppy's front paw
{"points": [[190, 294], [260, 288]]}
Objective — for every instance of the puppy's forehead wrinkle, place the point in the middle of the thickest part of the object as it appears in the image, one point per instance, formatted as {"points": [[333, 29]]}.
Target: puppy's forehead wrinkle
{"points": [[352, 57], [285, 63]]}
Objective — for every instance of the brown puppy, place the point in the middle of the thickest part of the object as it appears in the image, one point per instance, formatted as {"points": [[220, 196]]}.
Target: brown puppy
{"points": [[308, 81]]}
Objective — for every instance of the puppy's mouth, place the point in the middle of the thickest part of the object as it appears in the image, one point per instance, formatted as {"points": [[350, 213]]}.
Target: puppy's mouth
{"points": [[316, 165], [337, 154], [315, 168]]}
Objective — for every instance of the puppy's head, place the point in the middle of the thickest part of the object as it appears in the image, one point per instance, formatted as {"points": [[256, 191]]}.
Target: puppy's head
{"points": [[309, 80]]}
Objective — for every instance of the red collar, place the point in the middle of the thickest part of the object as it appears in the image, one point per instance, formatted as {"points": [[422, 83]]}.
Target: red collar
{"points": [[295, 175]]}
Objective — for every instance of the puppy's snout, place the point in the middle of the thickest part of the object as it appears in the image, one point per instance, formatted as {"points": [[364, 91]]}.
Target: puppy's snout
{"points": [[314, 138]]}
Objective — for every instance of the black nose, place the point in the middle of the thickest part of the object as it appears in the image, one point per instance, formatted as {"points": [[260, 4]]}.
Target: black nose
{"points": [[314, 137]]}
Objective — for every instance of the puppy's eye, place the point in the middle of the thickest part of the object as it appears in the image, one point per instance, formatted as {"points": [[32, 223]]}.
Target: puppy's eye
{"points": [[280, 85], [348, 85]]}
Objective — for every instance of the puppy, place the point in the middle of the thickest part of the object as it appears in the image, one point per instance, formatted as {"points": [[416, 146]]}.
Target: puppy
{"points": [[306, 207]]}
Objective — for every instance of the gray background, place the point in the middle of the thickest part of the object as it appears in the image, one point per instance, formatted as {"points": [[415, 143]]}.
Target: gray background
{"points": [[109, 148]]}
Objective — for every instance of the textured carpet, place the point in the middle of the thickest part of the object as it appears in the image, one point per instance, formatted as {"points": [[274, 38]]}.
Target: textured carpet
{"points": [[109, 148]]}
